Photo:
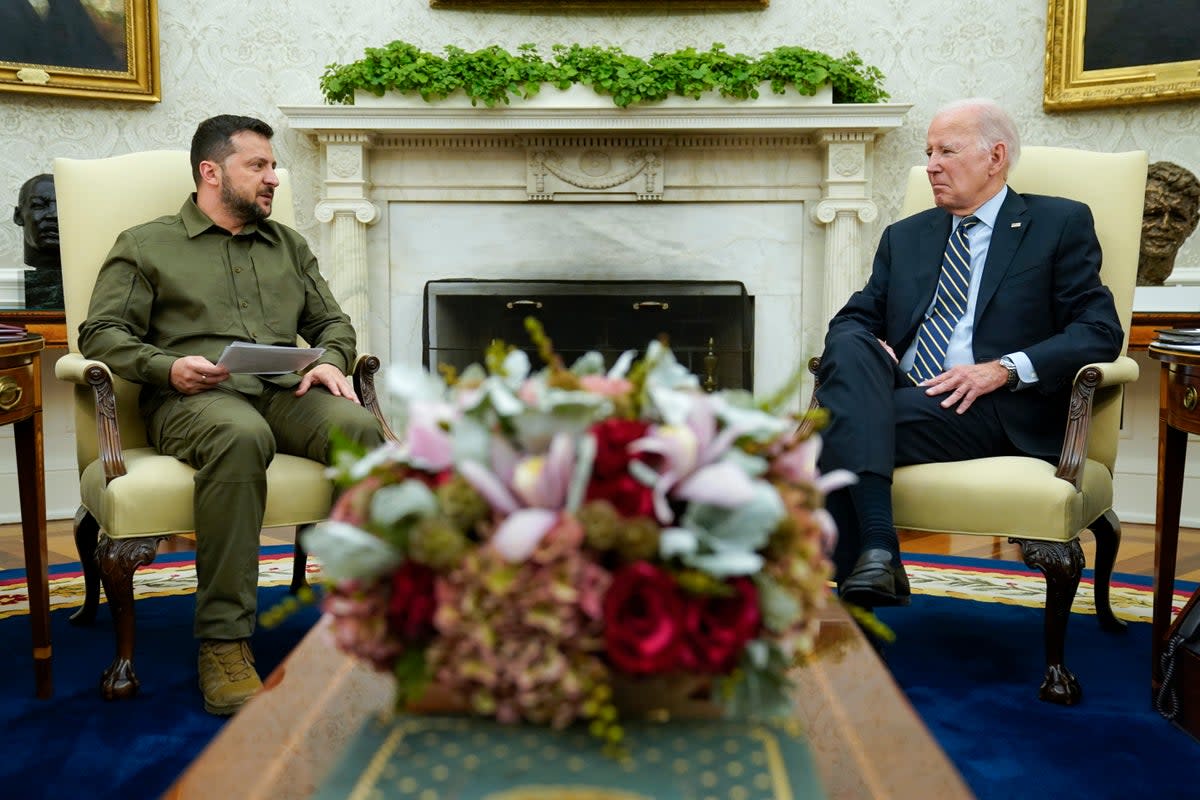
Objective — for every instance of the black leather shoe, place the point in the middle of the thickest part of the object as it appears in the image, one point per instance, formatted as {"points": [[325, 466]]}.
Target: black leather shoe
{"points": [[877, 579]]}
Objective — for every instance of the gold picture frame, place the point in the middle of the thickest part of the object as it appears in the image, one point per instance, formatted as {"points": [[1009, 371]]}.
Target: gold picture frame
{"points": [[1109, 55], [648, 6], [110, 50]]}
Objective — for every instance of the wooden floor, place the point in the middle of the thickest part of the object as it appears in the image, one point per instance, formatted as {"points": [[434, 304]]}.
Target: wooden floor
{"points": [[1136, 556]]}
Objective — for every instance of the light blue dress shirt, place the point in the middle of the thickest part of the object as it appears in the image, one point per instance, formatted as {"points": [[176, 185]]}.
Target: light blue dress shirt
{"points": [[958, 349]]}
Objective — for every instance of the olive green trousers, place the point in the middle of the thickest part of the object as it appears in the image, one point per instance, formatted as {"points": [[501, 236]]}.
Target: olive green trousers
{"points": [[229, 438]]}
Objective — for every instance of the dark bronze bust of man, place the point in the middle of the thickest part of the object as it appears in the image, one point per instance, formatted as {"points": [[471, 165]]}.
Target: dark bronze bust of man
{"points": [[1171, 213], [37, 213]]}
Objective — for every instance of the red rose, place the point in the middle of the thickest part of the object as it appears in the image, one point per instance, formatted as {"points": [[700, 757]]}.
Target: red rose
{"points": [[411, 607], [643, 612], [613, 437], [629, 496], [716, 629]]}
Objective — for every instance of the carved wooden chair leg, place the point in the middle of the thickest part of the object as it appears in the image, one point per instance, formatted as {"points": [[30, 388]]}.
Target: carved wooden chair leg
{"points": [[118, 560], [1107, 531], [299, 563], [1062, 564], [87, 533]]}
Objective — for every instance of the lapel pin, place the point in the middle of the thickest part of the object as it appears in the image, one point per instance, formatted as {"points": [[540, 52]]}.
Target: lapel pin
{"points": [[1015, 225]]}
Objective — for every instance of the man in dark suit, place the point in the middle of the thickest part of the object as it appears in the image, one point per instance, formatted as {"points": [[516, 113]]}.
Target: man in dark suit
{"points": [[922, 366]]}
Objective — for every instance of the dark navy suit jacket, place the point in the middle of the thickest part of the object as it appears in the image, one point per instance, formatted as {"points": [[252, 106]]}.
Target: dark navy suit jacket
{"points": [[1040, 294]]}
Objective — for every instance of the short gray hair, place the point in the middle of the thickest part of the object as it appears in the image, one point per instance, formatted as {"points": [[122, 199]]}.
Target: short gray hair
{"points": [[995, 125]]}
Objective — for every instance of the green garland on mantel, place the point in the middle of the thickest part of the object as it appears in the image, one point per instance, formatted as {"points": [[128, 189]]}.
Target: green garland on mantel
{"points": [[494, 76]]}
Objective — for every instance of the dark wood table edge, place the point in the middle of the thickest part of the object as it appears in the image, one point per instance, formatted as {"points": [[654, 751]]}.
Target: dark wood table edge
{"points": [[1143, 325]]}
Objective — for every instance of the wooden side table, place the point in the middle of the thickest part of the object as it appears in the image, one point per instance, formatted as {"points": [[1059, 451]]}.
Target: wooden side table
{"points": [[1178, 415], [1146, 323], [21, 406]]}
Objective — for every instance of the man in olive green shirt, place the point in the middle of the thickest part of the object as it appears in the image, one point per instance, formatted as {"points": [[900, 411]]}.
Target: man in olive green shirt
{"points": [[170, 296]]}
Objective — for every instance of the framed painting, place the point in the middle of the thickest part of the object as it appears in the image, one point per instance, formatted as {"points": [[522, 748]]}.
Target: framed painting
{"points": [[82, 48], [1102, 53], [648, 6]]}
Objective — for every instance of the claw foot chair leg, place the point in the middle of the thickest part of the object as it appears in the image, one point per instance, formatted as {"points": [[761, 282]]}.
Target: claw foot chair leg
{"points": [[1107, 531], [87, 533], [118, 560], [1062, 564], [299, 563]]}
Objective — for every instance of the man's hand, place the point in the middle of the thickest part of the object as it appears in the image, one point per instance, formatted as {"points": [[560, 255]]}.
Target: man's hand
{"points": [[966, 382], [889, 349], [331, 378], [195, 374]]}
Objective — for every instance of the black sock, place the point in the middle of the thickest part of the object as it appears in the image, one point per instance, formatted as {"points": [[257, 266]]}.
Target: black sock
{"points": [[840, 506], [872, 497]]}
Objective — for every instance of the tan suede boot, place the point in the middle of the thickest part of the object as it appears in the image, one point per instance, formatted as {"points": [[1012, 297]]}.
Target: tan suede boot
{"points": [[227, 675]]}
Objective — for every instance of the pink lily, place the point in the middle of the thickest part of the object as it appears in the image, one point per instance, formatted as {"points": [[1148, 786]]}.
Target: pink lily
{"points": [[691, 468], [798, 464], [529, 493]]}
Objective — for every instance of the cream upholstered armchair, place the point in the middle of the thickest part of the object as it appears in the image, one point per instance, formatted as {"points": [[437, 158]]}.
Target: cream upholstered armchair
{"points": [[1040, 506], [132, 497]]}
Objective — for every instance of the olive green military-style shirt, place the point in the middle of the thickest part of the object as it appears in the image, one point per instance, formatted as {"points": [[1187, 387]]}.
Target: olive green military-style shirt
{"points": [[182, 285]]}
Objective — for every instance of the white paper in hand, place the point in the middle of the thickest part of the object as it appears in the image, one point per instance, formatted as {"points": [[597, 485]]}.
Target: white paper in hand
{"points": [[267, 359]]}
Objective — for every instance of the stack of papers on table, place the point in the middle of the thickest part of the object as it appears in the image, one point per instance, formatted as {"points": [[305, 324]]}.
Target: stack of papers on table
{"points": [[267, 359], [1178, 339], [9, 333]]}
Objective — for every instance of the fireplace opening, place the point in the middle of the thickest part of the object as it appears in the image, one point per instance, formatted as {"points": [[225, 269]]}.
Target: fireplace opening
{"points": [[708, 324]]}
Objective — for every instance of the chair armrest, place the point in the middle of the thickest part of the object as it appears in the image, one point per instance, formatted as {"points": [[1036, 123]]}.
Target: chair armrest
{"points": [[364, 384], [1079, 416], [76, 369], [1114, 373], [72, 368]]}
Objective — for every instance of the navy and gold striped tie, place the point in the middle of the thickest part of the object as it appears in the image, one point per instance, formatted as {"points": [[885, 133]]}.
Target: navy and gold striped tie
{"points": [[949, 304]]}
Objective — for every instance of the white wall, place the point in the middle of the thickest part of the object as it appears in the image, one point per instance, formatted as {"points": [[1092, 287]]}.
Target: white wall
{"points": [[225, 56]]}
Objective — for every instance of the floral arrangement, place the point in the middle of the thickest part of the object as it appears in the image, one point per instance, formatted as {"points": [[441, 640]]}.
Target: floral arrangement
{"points": [[538, 538]]}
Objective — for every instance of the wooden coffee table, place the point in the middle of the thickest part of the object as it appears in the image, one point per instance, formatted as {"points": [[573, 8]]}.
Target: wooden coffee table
{"points": [[866, 739]]}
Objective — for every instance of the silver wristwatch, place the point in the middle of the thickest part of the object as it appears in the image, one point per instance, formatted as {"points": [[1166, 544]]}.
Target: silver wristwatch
{"points": [[1014, 380]]}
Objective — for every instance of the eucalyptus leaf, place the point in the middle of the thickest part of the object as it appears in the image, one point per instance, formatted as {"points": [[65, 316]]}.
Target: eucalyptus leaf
{"points": [[674, 542], [752, 465], [726, 563], [585, 458], [399, 502], [590, 363], [747, 526], [516, 368], [348, 552], [752, 422], [673, 406], [472, 440], [779, 607], [620, 367], [763, 689]]}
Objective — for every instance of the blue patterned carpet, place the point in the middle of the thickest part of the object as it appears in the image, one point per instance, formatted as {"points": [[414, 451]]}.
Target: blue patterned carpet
{"points": [[968, 654]]}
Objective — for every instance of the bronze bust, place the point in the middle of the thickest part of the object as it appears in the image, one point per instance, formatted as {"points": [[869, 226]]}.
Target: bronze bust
{"points": [[37, 213], [1171, 213]]}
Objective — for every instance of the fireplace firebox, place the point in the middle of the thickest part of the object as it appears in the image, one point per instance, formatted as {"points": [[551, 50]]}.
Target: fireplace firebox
{"points": [[708, 324]]}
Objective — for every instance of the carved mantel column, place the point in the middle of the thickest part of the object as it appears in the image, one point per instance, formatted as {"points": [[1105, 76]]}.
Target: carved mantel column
{"points": [[346, 205], [845, 207]]}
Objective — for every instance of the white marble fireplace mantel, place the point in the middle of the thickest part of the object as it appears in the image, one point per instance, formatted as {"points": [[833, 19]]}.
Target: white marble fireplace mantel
{"points": [[775, 194]]}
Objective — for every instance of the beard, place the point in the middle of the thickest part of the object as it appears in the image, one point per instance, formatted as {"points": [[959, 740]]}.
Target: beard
{"points": [[245, 209]]}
